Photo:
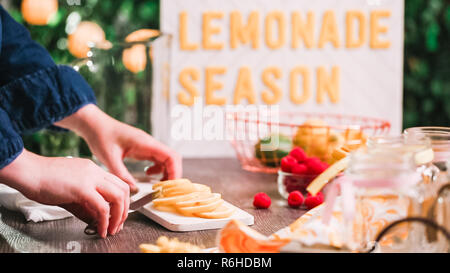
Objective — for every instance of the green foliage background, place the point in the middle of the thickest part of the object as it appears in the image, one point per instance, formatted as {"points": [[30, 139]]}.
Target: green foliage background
{"points": [[426, 60]]}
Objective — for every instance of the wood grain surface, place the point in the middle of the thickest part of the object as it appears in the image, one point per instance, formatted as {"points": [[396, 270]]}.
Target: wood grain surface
{"points": [[225, 176]]}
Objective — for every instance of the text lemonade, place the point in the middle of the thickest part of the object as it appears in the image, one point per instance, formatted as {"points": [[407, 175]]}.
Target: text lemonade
{"points": [[361, 29]]}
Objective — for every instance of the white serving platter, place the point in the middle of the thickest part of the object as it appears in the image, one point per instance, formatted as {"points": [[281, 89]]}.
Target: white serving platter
{"points": [[176, 222]]}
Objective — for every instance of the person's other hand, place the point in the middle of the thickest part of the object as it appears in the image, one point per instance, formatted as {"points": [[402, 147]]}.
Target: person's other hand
{"points": [[111, 141], [77, 185]]}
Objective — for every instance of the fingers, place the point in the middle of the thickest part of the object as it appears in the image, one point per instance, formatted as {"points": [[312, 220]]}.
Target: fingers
{"points": [[97, 203], [126, 190], [170, 168], [173, 166], [115, 196], [164, 157], [155, 169], [85, 213], [107, 205], [116, 166], [146, 147], [166, 176]]}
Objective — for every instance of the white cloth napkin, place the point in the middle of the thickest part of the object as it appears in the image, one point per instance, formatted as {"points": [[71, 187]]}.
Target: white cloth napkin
{"points": [[37, 212], [33, 211]]}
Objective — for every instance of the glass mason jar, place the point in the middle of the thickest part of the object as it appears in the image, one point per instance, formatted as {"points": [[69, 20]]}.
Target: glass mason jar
{"points": [[385, 186], [289, 182], [419, 146], [440, 143], [128, 79]]}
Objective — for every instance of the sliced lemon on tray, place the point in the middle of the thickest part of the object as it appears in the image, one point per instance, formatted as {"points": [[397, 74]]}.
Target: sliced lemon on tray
{"points": [[190, 199]]}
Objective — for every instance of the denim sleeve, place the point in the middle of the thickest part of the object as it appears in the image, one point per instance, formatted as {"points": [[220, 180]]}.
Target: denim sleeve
{"points": [[11, 144], [34, 91]]}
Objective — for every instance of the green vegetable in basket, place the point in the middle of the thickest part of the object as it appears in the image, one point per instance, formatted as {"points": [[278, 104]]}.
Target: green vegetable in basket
{"points": [[269, 151]]}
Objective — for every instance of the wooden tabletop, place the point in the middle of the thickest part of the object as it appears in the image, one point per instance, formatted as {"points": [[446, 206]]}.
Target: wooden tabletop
{"points": [[225, 176]]}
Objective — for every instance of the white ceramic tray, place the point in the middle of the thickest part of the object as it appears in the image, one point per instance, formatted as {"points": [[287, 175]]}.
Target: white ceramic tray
{"points": [[176, 222]]}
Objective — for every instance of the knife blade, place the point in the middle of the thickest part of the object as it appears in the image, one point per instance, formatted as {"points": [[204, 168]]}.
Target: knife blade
{"points": [[139, 203], [144, 200]]}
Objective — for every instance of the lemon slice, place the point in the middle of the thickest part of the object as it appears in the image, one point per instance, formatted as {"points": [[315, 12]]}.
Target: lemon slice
{"points": [[171, 183], [208, 198], [321, 180], [184, 189], [199, 209], [165, 208], [164, 201], [339, 153], [221, 212], [424, 157]]}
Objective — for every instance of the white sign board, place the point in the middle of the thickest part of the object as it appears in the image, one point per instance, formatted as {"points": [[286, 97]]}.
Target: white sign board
{"points": [[325, 56]]}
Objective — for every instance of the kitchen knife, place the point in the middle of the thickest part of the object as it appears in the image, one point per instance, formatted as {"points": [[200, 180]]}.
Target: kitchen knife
{"points": [[144, 200]]}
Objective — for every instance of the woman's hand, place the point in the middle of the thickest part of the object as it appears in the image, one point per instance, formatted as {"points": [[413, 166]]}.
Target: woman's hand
{"points": [[77, 185], [111, 141]]}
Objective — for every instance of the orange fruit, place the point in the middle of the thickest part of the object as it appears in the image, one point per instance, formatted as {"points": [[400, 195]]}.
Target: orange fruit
{"points": [[134, 58], [38, 12], [85, 33], [236, 237], [141, 35]]}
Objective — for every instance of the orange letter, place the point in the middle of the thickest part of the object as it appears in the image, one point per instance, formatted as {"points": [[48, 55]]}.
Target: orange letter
{"points": [[275, 97], [208, 30], [211, 85], [325, 84], [293, 83], [270, 18], [244, 34], [184, 78], [244, 87], [300, 29], [329, 31], [350, 40], [184, 44], [376, 29]]}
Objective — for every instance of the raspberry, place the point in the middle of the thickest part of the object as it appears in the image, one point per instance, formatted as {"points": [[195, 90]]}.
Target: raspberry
{"points": [[261, 200], [313, 159], [287, 163], [298, 154], [314, 201], [299, 169], [295, 199], [315, 166], [318, 195]]}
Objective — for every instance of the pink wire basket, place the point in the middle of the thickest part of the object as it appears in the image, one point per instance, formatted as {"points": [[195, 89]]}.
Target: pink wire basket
{"points": [[291, 127]]}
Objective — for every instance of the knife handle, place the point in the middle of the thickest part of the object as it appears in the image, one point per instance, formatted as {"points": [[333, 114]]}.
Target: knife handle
{"points": [[90, 229]]}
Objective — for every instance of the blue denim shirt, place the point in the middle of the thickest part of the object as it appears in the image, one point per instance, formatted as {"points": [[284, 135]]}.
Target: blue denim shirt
{"points": [[34, 91]]}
